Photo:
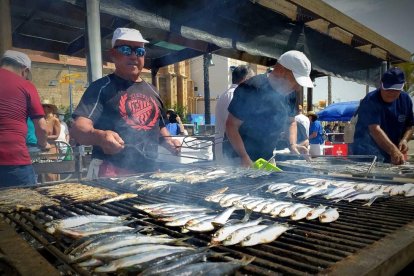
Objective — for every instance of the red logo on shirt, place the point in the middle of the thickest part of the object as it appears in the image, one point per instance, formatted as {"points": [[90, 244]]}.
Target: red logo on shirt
{"points": [[139, 111]]}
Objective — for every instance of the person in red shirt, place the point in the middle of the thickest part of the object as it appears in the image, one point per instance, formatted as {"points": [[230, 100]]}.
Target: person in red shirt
{"points": [[19, 100]]}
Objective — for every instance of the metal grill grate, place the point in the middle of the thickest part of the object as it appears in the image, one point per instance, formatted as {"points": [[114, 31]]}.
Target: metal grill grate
{"points": [[309, 248]]}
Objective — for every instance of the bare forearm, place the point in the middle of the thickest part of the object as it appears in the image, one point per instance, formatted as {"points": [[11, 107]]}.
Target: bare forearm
{"points": [[232, 132], [293, 133], [86, 135], [382, 140], [408, 134], [40, 129]]}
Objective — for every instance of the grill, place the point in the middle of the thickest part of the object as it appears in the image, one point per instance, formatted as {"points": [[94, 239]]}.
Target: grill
{"points": [[348, 166], [359, 242]]}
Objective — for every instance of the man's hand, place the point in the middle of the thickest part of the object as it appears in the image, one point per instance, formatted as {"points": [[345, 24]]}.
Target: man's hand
{"points": [[246, 162], [173, 146], [397, 158], [403, 146], [46, 147], [111, 142], [294, 149]]}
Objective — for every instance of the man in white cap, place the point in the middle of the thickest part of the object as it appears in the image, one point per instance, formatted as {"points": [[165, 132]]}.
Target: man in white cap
{"points": [[121, 115], [263, 108], [385, 120], [19, 100]]}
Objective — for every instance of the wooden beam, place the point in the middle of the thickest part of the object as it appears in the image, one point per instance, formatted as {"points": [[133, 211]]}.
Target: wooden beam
{"points": [[345, 22], [281, 6], [319, 25], [5, 26], [234, 54], [341, 35]]}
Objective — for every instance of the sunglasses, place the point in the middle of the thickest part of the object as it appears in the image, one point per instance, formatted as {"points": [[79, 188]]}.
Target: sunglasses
{"points": [[127, 50]]}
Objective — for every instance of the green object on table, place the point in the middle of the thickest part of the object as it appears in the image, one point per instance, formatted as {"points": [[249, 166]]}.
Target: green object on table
{"points": [[262, 164]]}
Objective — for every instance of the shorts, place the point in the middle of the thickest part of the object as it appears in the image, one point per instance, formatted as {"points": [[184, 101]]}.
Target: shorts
{"points": [[18, 175]]}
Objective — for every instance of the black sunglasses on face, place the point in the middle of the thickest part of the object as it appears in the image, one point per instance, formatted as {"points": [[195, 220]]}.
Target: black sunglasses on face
{"points": [[128, 50]]}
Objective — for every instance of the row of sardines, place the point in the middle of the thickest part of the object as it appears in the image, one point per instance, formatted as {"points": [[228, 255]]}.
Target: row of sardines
{"points": [[225, 231], [164, 181], [106, 244]]}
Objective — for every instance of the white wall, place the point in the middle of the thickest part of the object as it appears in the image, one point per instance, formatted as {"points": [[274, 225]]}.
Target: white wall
{"points": [[220, 78]]}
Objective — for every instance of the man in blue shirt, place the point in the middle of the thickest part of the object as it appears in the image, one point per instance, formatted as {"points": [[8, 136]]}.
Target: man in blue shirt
{"points": [[385, 120]]}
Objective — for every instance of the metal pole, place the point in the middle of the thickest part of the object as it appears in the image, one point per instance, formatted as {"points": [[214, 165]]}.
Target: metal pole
{"points": [[206, 63], [94, 40], [5, 26], [70, 93]]}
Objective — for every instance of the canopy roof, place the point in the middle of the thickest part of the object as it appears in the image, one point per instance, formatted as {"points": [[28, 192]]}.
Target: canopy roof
{"points": [[342, 112], [253, 31]]}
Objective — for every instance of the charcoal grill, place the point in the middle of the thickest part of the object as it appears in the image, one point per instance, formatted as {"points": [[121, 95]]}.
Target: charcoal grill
{"points": [[364, 240]]}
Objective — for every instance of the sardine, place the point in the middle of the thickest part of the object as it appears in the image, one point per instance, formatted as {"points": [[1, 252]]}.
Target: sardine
{"points": [[119, 198], [269, 207], [288, 210], [238, 235], [276, 210], [171, 265], [265, 235], [365, 196], [135, 260], [208, 225], [277, 186], [225, 231], [314, 213], [133, 250], [79, 234], [182, 220], [81, 220], [329, 215], [301, 213], [121, 242], [211, 268]]}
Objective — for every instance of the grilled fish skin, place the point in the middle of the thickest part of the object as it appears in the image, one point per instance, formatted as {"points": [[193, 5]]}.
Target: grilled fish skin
{"points": [[314, 213], [225, 231], [238, 235], [81, 220], [119, 198], [329, 215], [301, 213], [131, 261], [265, 235], [174, 264]]}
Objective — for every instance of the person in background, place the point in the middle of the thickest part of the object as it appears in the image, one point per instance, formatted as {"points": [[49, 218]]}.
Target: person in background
{"points": [[329, 131], [53, 131], [64, 130], [31, 140], [385, 120], [121, 115], [52, 123], [302, 123], [264, 106], [238, 75], [174, 124], [315, 135], [19, 100]]}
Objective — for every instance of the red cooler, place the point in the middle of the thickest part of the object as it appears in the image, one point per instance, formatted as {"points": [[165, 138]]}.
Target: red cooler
{"points": [[337, 149]]}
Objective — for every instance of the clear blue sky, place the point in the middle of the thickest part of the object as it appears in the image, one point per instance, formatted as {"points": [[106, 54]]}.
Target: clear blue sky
{"points": [[393, 19]]}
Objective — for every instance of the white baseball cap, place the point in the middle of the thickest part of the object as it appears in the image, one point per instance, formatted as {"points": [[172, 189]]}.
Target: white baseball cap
{"points": [[19, 57], [300, 66], [127, 34]]}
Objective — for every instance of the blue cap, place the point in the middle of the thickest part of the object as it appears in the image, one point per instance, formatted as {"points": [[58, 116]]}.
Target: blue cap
{"points": [[393, 79]]}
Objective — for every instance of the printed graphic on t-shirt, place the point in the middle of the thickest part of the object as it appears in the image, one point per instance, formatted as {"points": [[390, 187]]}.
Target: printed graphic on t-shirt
{"points": [[139, 111]]}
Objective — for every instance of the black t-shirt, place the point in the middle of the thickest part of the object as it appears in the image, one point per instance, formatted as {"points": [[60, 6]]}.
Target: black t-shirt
{"points": [[133, 110], [265, 114]]}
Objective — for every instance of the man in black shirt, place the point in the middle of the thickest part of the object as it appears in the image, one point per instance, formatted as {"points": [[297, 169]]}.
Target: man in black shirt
{"points": [[263, 107], [121, 114]]}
